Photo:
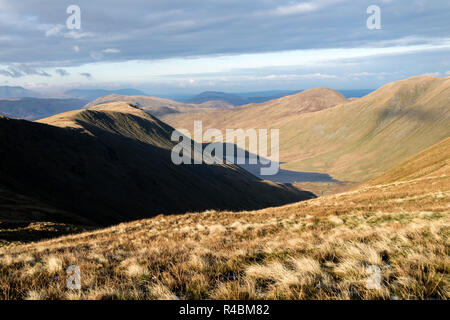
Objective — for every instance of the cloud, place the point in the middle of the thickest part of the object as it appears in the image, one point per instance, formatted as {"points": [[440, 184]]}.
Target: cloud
{"points": [[87, 75], [297, 8], [433, 74], [62, 72], [54, 31], [57, 31], [173, 34], [292, 77], [111, 51], [21, 70], [77, 35], [177, 29]]}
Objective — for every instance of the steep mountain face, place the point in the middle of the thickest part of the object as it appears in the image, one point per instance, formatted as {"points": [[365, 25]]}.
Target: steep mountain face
{"points": [[16, 92], [159, 107], [350, 140], [359, 140], [37, 108], [112, 163]]}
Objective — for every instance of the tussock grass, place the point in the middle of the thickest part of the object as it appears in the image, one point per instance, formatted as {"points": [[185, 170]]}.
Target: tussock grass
{"points": [[317, 249]]}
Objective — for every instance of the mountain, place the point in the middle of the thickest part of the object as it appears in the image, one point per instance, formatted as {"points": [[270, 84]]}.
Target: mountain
{"points": [[112, 163], [264, 114], [92, 94], [37, 108], [16, 92], [351, 140], [158, 107], [324, 248], [239, 99], [357, 93], [215, 95]]}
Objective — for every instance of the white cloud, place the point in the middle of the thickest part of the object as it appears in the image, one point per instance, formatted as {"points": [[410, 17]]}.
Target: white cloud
{"points": [[77, 35], [76, 48], [54, 31], [111, 51], [298, 76], [433, 74], [297, 8]]}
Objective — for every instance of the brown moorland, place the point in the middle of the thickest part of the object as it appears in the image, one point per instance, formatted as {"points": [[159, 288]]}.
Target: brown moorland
{"points": [[322, 248]]}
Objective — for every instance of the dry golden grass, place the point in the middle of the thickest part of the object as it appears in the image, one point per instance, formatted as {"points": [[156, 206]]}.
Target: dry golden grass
{"points": [[317, 249]]}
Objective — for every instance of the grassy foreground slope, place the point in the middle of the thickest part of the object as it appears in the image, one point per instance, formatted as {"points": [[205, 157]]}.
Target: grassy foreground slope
{"points": [[323, 248], [350, 140]]}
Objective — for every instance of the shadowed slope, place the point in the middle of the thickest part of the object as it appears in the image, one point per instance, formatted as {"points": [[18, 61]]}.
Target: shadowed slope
{"points": [[113, 164]]}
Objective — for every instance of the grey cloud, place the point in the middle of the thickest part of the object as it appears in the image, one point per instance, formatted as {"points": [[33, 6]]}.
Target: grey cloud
{"points": [[87, 75], [177, 28], [62, 72], [20, 70]]}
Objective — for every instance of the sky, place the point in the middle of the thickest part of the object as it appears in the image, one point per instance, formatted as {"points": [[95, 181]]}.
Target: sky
{"points": [[189, 46]]}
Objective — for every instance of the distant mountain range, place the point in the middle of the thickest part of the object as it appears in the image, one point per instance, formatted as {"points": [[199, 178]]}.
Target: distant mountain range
{"points": [[92, 94], [16, 92], [37, 108], [159, 107], [239, 99]]}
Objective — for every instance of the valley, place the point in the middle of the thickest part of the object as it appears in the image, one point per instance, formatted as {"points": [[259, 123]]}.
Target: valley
{"points": [[96, 188], [316, 249]]}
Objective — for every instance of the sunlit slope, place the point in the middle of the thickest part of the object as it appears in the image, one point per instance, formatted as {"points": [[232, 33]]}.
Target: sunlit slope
{"points": [[317, 249], [359, 140], [432, 162], [355, 140], [113, 163], [262, 115]]}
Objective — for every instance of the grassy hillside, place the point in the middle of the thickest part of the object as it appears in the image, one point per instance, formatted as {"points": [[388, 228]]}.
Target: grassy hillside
{"points": [[317, 249], [113, 163], [351, 140], [262, 115], [434, 161]]}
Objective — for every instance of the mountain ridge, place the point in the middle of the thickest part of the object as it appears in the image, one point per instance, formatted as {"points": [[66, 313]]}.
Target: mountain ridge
{"points": [[348, 139], [112, 163]]}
